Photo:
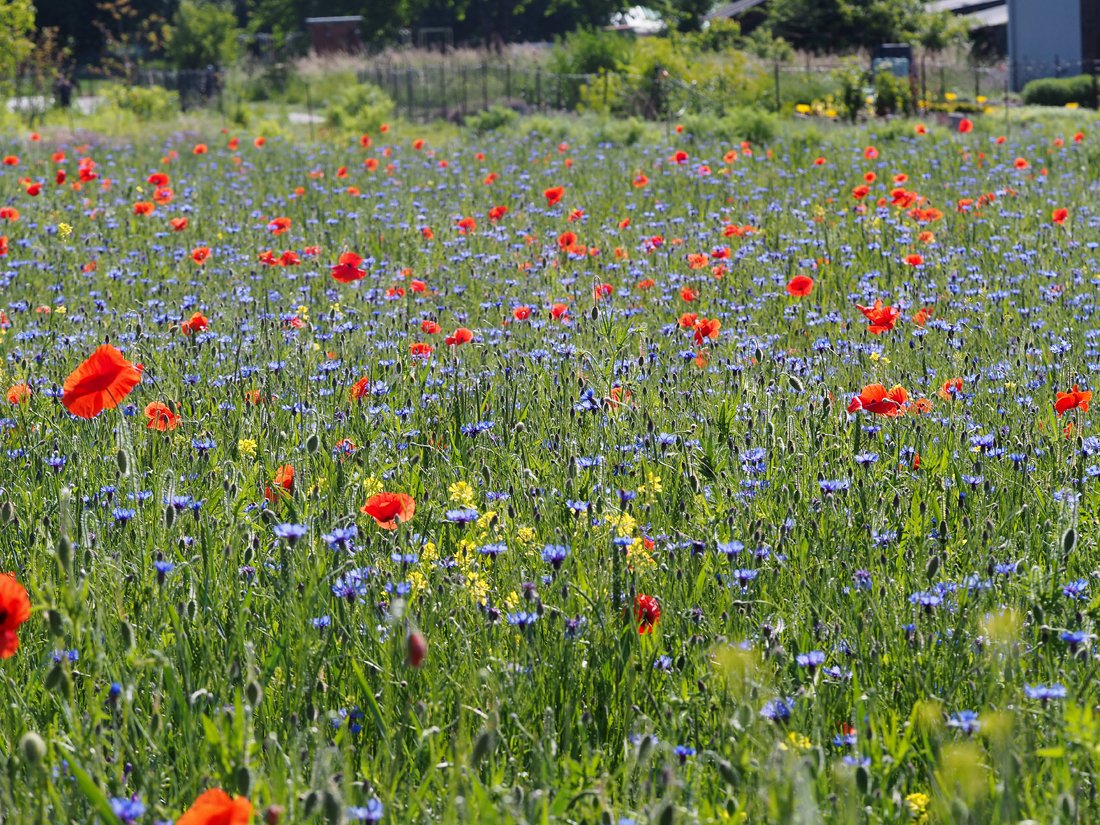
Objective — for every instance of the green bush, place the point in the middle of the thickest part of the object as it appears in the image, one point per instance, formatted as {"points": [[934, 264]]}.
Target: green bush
{"points": [[851, 79], [363, 107], [892, 94], [588, 51], [741, 123], [1058, 91], [144, 102], [491, 120], [719, 36], [202, 34]]}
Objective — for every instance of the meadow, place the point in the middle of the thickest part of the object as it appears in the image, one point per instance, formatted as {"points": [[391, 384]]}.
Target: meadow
{"points": [[514, 479]]}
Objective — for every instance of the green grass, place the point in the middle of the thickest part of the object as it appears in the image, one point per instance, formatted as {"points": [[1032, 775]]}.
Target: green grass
{"points": [[710, 472]]}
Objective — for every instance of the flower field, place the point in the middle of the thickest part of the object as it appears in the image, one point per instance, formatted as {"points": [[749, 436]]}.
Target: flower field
{"points": [[514, 481]]}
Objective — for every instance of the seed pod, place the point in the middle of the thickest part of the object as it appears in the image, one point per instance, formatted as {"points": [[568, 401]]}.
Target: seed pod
{"points": [[32, 747], [1069, 541], [484, 746], [243, 779], [313, 443]]}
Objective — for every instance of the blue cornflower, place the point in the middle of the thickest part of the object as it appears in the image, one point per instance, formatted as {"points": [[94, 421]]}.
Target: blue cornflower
{"points": [[864, 459], [371, 812], [588, 402], [493, 550], [466, 515], [684, 751], [203, 445], [777, 710], [1044, 693], [837, 486], [1076, 589], [321, 622], [965, 720], [729, 549], [341, 538], [290, 532], [123, 514], [163, 568], [522, 619], [812, 660], [1074, 638], [128, 810], [554, 554]]}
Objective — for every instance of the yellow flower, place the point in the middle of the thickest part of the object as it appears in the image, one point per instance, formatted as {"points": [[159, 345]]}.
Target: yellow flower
{"points": [[429, 552], [461, 494], [525, 535], [802, 109], [417, 581], [247, 446], [302, 309], [797, 742], [652, 484], [64, 230], [950, 96], [371, 486], [486, 520], [624, 525], [511, 601], [1072, 105], [981, 98], [478, 587], [638, 558], [918, 806], [60, 310]]}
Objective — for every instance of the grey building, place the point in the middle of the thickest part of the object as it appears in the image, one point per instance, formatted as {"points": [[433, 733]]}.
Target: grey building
{"points": [[1052, 38]]}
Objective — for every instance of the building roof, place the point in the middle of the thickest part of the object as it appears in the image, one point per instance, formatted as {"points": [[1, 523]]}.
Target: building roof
{"points": [[977, 14], [351, 18], [727, 11]]}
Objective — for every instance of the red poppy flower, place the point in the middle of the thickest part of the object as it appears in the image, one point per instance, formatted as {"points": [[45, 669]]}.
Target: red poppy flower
{"points": [[11, 160], [19, 393], [100, 383], [59, 177], [359, 389], [1059, 216], [283, 481], [196, 323], [430, 327], [215, 807], [419, 349], [466, 225], [951, 388], [521, 313], [459, 336], [178, 224], [15, 608], [143, 208], [200, 149], [160, 417], [567, 240], [647, 611], [800, 286], [559, 312], [882, 318], [554, 195], [966, 126], [860, 192], [289, 258], [497, 212], [688, 294], [34, 189], [199, 254], [1075, 399], [259, 142], [875, 398], [278, 226], [347, 268], [3, 244], [158, 179], [9, 213], [707, 329], [679, 156], [390, 509], [914, 259]]}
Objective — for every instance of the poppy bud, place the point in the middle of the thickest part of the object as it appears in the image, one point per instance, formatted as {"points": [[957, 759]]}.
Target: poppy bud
{"points": [[127, 633], [7, 512], [65, 552], [244, 780], [312, 443], [312, 801], [169, 516], [416, 647], [272, 814], [255, 694], [32, 747], [333, 804]]}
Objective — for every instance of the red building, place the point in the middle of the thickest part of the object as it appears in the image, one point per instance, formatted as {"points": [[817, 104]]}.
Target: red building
{"points": [[328, 35]]}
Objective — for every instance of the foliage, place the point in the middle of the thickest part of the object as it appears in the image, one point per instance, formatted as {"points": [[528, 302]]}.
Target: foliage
{"points": [[1058, 91], [203, 33], [147, 103], [129, 34], [16, 30], [893, 94], [851, 78], [491, 120], [362, 107], [720, 35], [840, 26], [590, 51]]}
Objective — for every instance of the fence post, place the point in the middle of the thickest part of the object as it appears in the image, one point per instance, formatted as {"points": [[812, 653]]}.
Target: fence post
{"points": [[1095, 86], [484, 85], [309, 109], [778, 96], [464, 91], [977, 83], [443, 87], [605, 90], [508, 83], [409, 94], [538, 87]]}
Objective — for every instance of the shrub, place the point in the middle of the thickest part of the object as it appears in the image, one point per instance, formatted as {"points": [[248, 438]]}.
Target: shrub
{"points": [[588, 51], [1058, 91], [491, 120], [202, 34], [144, 102], [363, 107], [892, 94], [851, 79]]}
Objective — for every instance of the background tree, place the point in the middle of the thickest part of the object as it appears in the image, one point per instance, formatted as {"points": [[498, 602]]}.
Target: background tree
{"points": [[16, 29], [844, 25], [202, 34]]}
